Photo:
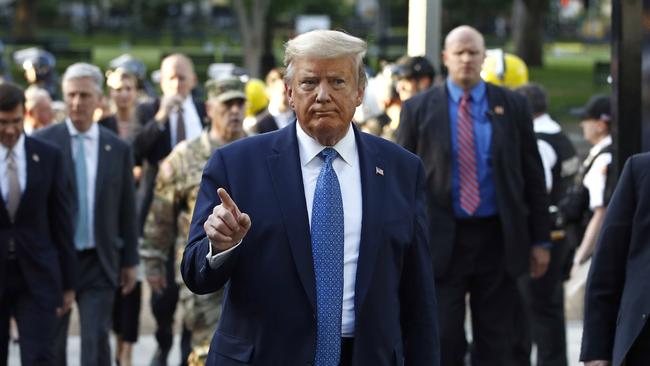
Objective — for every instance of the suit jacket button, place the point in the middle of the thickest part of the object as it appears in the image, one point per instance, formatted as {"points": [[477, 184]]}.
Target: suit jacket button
{"points": [[643, 316]]}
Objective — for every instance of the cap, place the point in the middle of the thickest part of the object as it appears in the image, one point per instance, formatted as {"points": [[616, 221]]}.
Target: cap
{"points": [[225, 89], [414, 68], [598, 107]]}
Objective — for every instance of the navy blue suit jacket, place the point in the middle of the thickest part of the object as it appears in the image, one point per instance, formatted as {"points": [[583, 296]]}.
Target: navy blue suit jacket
{"points": [[43, 227], [617, 300], [269, 312]]}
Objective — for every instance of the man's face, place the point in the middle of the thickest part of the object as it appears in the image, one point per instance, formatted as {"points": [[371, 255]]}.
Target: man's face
{"points": [[324, 94], [227, 118], [408, 87], [42, 113], [463, 56], [11, 126], [593, 130], [81, 97], [176, 77]]}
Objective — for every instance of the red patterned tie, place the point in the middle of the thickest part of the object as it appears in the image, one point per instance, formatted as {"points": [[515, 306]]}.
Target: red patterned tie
{"points": [[468, 177]]}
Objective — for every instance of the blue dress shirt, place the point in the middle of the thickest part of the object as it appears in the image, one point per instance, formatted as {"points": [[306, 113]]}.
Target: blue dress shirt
{"points": [[483, 145]]}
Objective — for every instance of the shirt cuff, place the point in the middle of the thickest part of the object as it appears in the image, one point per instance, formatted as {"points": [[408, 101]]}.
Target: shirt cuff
{"points": [[215, 261]]}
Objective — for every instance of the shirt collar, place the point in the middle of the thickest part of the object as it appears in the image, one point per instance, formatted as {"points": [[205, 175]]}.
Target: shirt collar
{"points": [[310, 148], [456, 92], [545, 124], [188, 103], [92, 133], [606, 141], [18, 149]]}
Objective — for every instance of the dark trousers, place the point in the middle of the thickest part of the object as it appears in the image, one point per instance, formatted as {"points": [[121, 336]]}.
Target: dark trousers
{"points": [[639, 354], [477, 268], [35, 318], [539, 316], [95, 297], [126, 313], [163, 306]]}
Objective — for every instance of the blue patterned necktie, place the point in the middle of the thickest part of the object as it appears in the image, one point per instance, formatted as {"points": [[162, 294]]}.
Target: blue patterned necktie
{"points": [[82, 233], [327, 251]]}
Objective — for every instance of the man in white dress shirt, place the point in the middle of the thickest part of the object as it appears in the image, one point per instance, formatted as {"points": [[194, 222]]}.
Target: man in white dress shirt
{"points": [[318, 229], [99, 167], [38, 264]]}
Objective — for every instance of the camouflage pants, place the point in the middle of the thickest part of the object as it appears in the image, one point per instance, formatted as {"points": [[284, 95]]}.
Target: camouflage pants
{"points": [[201, 315]]}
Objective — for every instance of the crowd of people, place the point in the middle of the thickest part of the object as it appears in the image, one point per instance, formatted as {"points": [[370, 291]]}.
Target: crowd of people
{"points": [[287, 234]]}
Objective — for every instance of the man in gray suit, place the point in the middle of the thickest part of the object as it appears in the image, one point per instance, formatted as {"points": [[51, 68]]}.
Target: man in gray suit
{"points": [[99, 171]]}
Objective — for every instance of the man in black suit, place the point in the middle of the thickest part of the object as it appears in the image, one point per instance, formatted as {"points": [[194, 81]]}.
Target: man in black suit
{"points": [[616, 299], [486, 198], [38, 264], [100, 167], [166, 121]]}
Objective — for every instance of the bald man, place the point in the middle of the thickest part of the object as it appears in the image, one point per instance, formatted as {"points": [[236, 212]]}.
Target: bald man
{"points": [[486, 196], [168, 120]]}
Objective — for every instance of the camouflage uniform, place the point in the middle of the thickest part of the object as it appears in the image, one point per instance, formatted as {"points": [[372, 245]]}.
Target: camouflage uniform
{"points": [[167, 228]]}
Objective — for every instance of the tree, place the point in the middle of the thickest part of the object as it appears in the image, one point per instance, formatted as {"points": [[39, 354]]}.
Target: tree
{"points": [[252, 23], [528, 30]]}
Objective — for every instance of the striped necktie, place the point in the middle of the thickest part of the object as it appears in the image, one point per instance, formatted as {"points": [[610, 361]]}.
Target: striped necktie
{"points": [[13, 194], [467, 170]]}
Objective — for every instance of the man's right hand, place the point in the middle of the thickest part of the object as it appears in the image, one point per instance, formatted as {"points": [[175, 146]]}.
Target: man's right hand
{"points": [[226, 226], [598, 363], [157, 282], [168, 104]]}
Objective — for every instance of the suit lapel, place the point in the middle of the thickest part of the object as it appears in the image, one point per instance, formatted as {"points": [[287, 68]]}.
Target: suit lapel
{"points": [[285, 171], [373, 192], [438, 139], [103, 163], [496, 115], [33, 161]]}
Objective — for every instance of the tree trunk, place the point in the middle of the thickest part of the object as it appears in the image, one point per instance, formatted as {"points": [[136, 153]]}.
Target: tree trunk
{"points": [[252, 23], [25, 19], [528, 30]]}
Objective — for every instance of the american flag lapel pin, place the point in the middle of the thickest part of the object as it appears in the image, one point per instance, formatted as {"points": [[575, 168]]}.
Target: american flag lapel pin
{"points": [[498, 109], [36, 158], [379, 171]]}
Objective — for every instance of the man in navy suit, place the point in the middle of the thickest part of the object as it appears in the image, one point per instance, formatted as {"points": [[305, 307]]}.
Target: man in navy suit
{"points": [[38, 264], [318, 229], [616, 330], [99, 167], [486, 196]]}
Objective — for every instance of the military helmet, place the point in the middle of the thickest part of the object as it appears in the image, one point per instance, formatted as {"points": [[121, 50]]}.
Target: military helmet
{"points": [[504, 69], [36, 60]]}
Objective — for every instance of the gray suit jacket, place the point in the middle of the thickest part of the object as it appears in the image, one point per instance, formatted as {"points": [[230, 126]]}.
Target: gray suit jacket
{"points": [[115, 224]]}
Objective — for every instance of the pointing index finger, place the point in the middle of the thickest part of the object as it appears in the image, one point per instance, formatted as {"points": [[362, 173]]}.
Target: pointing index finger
{"points": [[227, 202]]}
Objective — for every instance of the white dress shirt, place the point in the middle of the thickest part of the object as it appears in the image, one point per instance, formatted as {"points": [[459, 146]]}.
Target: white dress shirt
{"points": [[21, 164], [544, 124], [193, 126], [596, 177], [347, 168], [282, 119], [91, 148]]}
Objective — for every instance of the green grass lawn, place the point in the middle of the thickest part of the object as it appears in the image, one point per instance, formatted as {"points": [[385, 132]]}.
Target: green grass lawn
{"points": [[568, 76]]}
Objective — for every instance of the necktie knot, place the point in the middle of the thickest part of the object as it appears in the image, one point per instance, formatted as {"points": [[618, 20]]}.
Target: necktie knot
{"points": [[466, 98], [328, 154]]}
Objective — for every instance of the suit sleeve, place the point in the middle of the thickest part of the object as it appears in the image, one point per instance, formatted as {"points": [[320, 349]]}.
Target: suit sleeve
{"points": [[150, 134], [607, 272], [407, 130], [536, 197], [197, 274], [61, 218], [418, 298], [128, 229]]}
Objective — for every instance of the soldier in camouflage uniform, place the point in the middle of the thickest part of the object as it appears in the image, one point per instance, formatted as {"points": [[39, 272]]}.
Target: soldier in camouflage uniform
{"points": [[167, 225]]}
